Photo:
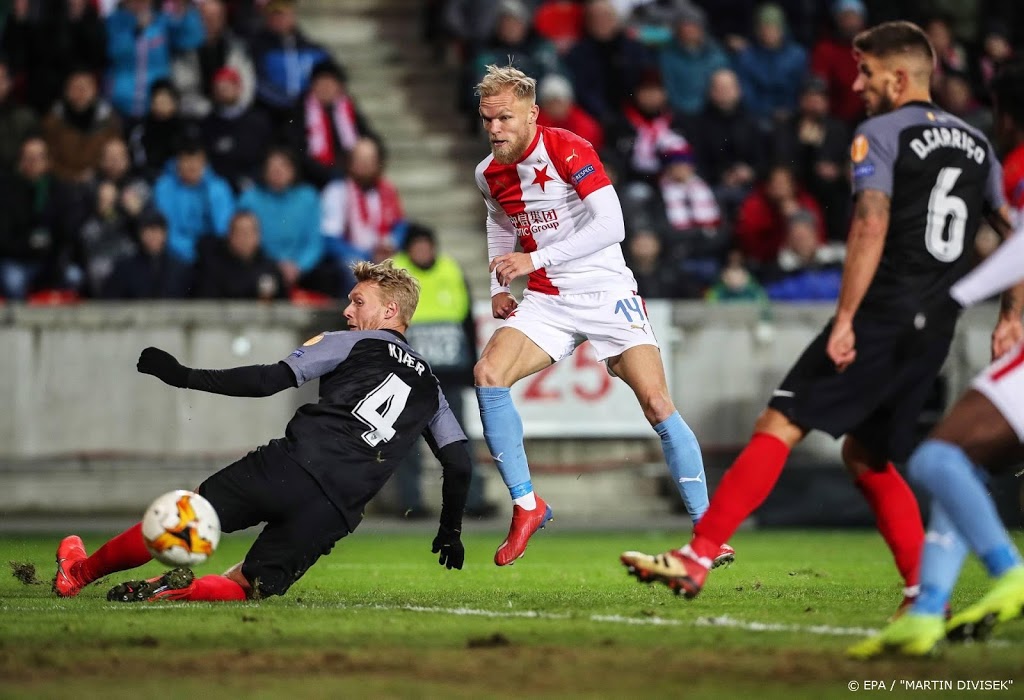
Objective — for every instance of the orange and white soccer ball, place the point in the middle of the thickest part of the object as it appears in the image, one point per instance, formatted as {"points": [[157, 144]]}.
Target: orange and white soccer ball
{"points": [[181, 528]]}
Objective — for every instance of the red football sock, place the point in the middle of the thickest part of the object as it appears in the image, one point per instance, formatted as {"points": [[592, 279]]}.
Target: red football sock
{"points": [[126, 551], [898, 516], [212, 588], [743, 488]]}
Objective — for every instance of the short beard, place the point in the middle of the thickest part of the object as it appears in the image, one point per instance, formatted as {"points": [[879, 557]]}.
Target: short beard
{"points": [[515, 151], [885, 105]]}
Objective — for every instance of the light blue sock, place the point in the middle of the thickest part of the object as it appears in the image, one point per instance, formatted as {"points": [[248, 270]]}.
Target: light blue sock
{"points": [[943, 557], [682, 453], [503, 433], [945, 472]]}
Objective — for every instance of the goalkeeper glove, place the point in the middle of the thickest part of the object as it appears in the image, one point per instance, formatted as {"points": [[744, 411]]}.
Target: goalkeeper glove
{"points": [[448, 545], [163, 366]]}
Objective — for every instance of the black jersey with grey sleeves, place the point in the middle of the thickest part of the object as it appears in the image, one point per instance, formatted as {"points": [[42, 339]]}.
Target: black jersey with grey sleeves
{"points": [[941, 177], [377, 396]]}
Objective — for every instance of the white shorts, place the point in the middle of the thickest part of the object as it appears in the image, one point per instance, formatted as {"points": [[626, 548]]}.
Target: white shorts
{"points": [[1002, 383], [612, 321]]}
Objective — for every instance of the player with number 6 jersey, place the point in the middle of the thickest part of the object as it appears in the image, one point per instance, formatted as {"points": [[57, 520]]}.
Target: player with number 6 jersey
{"points": [[547, 190], [922, 182], [377, 397]]}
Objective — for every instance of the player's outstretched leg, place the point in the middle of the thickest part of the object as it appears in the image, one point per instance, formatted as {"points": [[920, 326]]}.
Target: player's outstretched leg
{"points": [[70, 555], [503, 433], [75, 570], [177, 584], [908, 635]]}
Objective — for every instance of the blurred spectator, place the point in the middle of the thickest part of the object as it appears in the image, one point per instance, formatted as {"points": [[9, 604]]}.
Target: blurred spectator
{"points": [[560, 22], [195, 201], [961, 16], [729, 148], [35, 225], [762, 222], [772, 68], [511, 40], [816, 145], [236, 133], [154, 272], [468, 23], [141, 43], [689, 60], [736, 284], [289, 215], [362, 215], [78, 126], [806, 269], [115, 199], [996, 50], [655, 279], [646, 126], [605, 64], [444, 331], [236, 267], [284, 59], [558, 109], [327, 125], [44, 41], [957, 98], [832, 59], [16, 123], [106, 238], [689, 202], [157, 137], [193, 72], [950, 55]]}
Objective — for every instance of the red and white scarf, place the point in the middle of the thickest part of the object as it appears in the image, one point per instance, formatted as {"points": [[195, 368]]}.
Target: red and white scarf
{"points": [[652, 135], [370, 215], [319, 143], [689, 204]]}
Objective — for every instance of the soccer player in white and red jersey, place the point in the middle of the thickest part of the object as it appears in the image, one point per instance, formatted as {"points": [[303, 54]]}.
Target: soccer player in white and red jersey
{"points": [[547, 189]]}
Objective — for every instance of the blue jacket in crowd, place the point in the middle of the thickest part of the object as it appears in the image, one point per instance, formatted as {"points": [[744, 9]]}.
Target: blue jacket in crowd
{"points": [[130, 78], [771, 79], [686, 73], [193, 211], [821, 284], [283, 67], [289, 223]]}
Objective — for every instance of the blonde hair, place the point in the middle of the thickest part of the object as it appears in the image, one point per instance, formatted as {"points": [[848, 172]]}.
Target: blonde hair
{"points": [[498, 79], [395, 283]]}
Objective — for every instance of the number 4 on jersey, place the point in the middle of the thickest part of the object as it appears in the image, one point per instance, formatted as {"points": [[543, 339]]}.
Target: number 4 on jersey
{"points": [[381, 408]]}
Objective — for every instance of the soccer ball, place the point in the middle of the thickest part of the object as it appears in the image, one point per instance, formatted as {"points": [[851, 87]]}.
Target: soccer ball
{"points": [[181, 528]]}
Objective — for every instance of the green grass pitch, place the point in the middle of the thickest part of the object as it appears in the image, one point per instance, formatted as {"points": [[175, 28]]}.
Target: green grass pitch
{"points": [[380, 618]]}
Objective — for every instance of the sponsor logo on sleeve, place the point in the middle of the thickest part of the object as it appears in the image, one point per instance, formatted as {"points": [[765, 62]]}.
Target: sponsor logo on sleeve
{"points": [[863, 170], [859, 148], [582, 173], [313, 341], [298, 352]]}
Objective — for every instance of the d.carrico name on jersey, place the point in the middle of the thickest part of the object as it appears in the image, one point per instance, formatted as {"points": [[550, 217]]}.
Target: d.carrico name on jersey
{"points": [[540, 201]]}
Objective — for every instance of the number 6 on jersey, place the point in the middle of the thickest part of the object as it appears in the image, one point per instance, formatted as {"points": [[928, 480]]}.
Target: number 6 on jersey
{"points": [[381, 408]]}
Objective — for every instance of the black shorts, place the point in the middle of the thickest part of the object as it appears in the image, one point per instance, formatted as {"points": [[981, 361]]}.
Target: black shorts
{"points": [[302, 524], [878, 399]]}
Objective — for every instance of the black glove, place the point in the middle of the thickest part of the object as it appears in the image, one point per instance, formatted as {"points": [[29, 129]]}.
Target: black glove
{"points": [[449, 544], [163, 366]]}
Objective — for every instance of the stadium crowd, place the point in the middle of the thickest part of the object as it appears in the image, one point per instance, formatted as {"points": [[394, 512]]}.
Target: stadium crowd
{"points": [[173, 149], [208, 148], [726, 124]]}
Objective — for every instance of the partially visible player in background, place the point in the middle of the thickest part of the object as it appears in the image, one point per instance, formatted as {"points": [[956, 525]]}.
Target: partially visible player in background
{"points": [[377, 396], [922, 181], [547, 189], [983, 432]]}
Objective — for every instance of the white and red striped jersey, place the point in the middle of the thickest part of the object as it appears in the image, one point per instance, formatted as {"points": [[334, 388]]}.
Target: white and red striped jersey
{"points": [[542, 201]]}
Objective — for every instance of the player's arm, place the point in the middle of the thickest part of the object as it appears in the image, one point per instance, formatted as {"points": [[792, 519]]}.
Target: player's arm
{"points": [[251, 381], [864, 247], [448, 443], [501, 240]]}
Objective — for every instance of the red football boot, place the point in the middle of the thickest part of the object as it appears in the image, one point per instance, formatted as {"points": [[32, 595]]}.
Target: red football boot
{"points": [[70, 551], [726, 556], [524, 524]]}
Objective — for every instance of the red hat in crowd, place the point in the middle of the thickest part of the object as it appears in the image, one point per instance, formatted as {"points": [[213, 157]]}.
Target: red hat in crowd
{"points": [[228, 73]]}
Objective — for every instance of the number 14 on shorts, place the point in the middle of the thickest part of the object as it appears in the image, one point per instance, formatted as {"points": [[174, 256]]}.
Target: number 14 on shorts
{"points": [[632, 308]]}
